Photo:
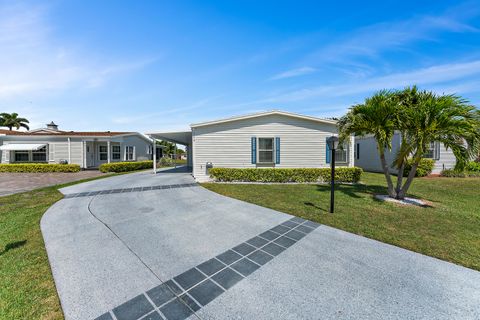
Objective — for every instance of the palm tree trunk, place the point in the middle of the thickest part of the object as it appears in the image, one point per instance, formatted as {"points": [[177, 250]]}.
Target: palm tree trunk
{"points": [[386, 172], [400, 178], [411, 175]]}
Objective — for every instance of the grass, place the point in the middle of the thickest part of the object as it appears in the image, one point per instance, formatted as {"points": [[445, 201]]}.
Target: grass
{"points": [[448, 230], [27, 289]]}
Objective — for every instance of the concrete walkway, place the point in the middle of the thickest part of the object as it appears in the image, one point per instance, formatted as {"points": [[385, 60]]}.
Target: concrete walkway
{"points": [[144, 246]]}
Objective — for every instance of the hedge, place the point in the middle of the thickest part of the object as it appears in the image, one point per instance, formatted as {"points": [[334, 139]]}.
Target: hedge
{"points": [[473, 166], [452, 173], [342, 174], [424, 168], [126, 166], [38, 167]]}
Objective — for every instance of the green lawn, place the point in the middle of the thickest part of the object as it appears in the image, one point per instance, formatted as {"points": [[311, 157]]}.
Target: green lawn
{"points": [[449, 230], [27, 289]]}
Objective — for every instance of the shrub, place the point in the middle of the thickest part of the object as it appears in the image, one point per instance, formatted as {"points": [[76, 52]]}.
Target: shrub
{"points": [[473, 166], [452, 173], [38, 167], [126, 166], [342, 174], [166, 162], [424, 168]]}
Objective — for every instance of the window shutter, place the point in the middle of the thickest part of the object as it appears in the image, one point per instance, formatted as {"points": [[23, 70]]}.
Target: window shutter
{"points": [[358, 150], [327, 156], [277, 150], [254, 150]]}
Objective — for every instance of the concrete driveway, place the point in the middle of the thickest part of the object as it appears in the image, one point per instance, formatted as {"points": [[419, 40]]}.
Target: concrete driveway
{"points": [[144, 246]]}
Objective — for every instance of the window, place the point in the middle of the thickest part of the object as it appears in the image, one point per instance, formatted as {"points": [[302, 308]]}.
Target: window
{"points": [[21, 156], [115, 152], [357, 151], [129, 154], [341, 154], [103, 152], [40, 155], [433, 151], [265, 150]]}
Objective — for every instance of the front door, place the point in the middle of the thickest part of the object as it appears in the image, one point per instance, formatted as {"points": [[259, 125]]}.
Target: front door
{"points": [[90, 153]]}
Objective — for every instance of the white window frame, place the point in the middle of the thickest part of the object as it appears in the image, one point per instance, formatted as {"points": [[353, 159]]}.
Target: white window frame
{"points": [[272, 150], [21, 152], [129, 153], [116, 155], [40, 151], [100, 152], [339, 151]]}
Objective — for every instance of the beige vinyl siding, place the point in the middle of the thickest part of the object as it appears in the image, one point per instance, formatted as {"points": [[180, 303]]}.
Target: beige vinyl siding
{"points": [[447, 160], [369, 159], [58, 147], [60, 151], [140, 145], [302, 143], [76, 152]]}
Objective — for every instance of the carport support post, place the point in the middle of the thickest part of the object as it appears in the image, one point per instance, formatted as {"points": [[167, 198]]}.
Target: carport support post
{"points": [[154, 151], [175, 155]]}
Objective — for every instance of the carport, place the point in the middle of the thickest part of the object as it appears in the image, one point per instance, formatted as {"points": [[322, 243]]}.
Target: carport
{"points": [[180, 137]]}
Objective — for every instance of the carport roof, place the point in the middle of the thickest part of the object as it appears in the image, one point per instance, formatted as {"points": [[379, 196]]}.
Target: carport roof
{"points": [[181, 137]]}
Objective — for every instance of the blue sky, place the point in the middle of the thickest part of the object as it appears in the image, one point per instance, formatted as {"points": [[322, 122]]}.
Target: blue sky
{"points": [[161, 65]]}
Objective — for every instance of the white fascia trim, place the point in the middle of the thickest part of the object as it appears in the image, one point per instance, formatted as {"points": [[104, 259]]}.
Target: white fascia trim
{"points": [[261, 114], [141, 135]]}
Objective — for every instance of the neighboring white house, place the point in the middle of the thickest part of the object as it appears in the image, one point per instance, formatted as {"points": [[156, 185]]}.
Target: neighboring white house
{"points": [[367, 157], [273, 139], [87, 149]]}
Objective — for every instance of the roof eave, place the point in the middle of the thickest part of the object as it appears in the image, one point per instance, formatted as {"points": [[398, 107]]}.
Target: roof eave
{"points": [[262, 114]]}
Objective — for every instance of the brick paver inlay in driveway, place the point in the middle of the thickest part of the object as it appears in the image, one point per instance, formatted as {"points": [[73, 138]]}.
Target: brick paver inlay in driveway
{"points": [[182, 296]]}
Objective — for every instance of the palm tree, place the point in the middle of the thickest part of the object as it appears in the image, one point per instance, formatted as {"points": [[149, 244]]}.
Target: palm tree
{"points": [[169, 149], [377, 117], [422, 118], [427, 118], [11, 120]]}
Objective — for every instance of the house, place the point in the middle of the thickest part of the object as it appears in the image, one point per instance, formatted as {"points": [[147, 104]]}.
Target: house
{"points": [[87, 149], [273, 139], [367, 157]]}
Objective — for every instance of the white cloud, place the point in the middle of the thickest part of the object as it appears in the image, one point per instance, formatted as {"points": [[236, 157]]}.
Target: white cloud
{"points": [[32, 61], [370, 41], [425, 76], [293, 73]]}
